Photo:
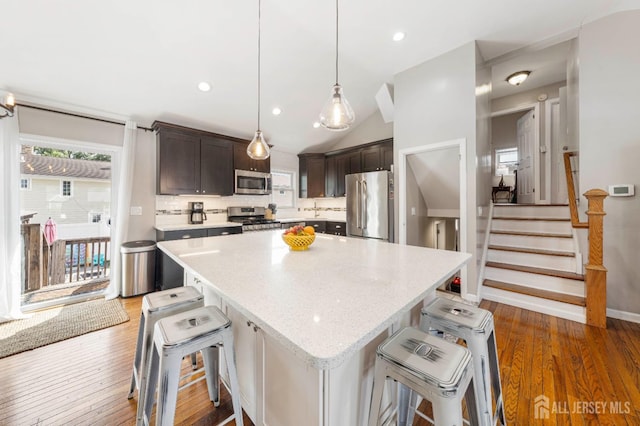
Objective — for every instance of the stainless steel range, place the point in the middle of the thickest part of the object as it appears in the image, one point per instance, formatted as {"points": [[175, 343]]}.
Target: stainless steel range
{"points": [[251, 218]]}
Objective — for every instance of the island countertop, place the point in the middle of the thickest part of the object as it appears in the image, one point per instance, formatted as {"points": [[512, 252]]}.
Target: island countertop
{"points": [[326, 303]]}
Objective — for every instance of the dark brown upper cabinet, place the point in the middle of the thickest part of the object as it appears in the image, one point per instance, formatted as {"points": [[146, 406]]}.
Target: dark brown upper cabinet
{"points": [[337, 167], [242, 161], [378, 156], [312, 175], [192, 162]]}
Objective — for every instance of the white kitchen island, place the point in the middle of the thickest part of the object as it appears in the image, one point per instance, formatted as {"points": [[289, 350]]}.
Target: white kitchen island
{"points": [[307, 323]]}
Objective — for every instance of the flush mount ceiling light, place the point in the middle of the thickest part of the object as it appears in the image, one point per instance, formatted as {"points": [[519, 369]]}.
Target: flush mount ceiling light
{"points": [[517, 78], [316, 125], [398, 36], [276, 111], [258, 148], [8, 106], [337, 114], [203, 86]]}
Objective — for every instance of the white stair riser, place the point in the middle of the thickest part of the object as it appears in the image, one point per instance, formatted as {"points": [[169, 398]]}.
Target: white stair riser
{"points": [[561, 263], [548, 243], [544, 282], [532, 211], [558, 227], [536, 304]]}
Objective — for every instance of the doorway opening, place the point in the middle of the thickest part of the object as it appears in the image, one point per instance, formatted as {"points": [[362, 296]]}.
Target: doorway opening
{"points": [[432, 200], [65, 209]]}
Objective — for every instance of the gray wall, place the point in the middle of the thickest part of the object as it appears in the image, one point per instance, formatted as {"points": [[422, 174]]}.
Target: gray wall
{"points": [[372, 129], [436, 102], [610, 144]]}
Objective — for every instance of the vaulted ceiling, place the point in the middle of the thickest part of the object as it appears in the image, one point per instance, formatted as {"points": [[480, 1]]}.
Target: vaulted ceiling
{"points": [[143, 59]]}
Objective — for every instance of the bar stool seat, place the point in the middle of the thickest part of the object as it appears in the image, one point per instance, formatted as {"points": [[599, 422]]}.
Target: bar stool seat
{"points": [[439, 371], [156, 306], [202, 329], [475, 326]]}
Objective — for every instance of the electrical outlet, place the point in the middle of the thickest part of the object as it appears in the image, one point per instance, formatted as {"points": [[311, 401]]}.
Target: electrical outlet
{"points": [[413, 211], [135, 211]]}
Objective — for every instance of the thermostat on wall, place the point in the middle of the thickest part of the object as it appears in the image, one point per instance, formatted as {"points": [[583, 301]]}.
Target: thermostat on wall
{"points": [[621, 190]]}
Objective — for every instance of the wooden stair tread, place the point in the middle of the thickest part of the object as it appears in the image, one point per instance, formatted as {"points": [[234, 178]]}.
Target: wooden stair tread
{"points": [[535, 270], [532, 251], [536, 205], [536, 292], [532, 234], [548, 219]]}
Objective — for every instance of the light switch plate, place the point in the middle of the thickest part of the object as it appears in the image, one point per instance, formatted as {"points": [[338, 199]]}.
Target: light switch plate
{"points": [[135, 211]]}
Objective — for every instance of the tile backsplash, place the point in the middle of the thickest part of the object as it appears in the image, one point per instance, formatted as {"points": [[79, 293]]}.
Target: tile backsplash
{"points": [[174, 210]]}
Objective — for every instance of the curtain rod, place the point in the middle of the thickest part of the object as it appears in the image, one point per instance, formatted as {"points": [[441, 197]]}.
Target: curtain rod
{"points": [[146, 129]]}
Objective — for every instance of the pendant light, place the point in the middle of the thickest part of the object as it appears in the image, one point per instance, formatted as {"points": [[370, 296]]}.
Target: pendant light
{"points": [[337, 114], [258, 149]]}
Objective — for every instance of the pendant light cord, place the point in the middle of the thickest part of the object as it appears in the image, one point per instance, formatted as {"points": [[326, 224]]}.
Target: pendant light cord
{"points": [[259, 18], [336, 42]]}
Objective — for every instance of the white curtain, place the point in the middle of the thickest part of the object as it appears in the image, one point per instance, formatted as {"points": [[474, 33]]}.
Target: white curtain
{"points": [[120, 224], [10, 251]]}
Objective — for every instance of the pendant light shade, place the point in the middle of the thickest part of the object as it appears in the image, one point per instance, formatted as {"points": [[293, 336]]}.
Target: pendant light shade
{"points": [[337, 114], [258, 149]]}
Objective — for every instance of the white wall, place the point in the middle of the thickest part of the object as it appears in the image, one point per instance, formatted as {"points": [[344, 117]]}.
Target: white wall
{"points": [[610, 144], [372, 129], [435, 102]]}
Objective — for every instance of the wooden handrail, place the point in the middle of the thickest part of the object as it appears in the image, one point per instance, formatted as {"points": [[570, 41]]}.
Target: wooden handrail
{"points": [[571, 192], [596, 274]]}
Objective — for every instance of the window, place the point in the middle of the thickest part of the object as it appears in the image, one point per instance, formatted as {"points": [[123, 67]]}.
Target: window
{"points": [[66, 188], [506, 161], [283, 189], [95, 217], [25, 183]]}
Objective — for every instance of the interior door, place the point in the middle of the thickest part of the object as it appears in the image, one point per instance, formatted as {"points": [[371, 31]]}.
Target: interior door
{"points": [[526, 133]]}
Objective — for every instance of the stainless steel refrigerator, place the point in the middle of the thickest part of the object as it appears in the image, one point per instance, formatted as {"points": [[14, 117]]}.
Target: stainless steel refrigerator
{"points": [[370, 205]]}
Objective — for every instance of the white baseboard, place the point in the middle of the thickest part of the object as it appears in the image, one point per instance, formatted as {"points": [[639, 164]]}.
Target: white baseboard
{"points": [[548, 307], [623, 315]]}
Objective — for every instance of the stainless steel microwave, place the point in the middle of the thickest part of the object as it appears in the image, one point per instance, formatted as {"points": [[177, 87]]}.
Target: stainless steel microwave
{"points": [[254, 183]]}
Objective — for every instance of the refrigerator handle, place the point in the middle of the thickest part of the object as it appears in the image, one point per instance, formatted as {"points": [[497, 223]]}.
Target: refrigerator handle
{"points": [[358, 206], [364, 204]]}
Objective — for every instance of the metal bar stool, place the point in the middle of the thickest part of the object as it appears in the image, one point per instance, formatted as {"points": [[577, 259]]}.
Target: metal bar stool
{"points": [[202, 329], [439, 371], [156, 306], [475, 326]]}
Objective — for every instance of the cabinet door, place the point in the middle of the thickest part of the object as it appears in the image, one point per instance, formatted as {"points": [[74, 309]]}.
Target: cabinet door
{"points": [[336, 228], [216, 166], [343, 168], [371, 159], [178, 163], [216, 232], [318, 225], [312, 182], [387, 156], [331, 176]]}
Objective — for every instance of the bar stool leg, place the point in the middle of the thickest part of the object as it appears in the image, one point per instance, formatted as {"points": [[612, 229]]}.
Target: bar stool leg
{"points": [[472, 404], [211, 359], [230, 357], [379, 380], [137, 358], [167, 389], [495, 377], [477, 343], [447, 412], [194, 362], [145, 405], [404, 394]]}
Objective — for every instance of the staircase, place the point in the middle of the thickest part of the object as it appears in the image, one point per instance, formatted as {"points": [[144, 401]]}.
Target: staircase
{"points": [[532, 261]]}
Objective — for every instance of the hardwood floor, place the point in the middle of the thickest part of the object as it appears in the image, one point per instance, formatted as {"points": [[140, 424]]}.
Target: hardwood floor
{"points": [[588, 374]]}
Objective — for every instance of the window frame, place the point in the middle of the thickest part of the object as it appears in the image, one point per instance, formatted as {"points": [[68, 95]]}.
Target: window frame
{"points": [[291, 189], [62, 182], [25, 188]]}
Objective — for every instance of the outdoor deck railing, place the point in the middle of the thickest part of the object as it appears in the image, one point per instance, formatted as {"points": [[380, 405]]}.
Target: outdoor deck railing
{"points": [[65, 261]]}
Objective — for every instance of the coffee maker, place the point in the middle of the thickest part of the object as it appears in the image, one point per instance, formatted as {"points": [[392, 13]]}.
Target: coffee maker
{"points": [[197, 215]]}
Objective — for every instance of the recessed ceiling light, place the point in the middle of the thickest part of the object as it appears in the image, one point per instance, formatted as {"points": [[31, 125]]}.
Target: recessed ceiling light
{"points": [[398, 36], [276, 111], [517, 78], [316, 125], [204, 86]]}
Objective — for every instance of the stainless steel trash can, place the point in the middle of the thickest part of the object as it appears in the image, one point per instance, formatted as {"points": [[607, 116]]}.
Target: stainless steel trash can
{"points": [[138, 267]]}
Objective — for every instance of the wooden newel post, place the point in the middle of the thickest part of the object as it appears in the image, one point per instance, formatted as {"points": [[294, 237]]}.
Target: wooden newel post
{"points": [[596, 277]]}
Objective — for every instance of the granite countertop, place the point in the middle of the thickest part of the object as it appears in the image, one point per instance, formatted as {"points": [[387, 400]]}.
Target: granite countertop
{"points": [[326, 303], [205, 225]]}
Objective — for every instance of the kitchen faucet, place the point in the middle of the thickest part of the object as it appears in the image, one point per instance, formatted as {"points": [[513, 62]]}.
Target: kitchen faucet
{"points": [[315, 210]]}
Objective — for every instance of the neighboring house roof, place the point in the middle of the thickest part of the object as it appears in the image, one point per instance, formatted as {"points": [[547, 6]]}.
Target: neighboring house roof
{"points": [[64, 167]]}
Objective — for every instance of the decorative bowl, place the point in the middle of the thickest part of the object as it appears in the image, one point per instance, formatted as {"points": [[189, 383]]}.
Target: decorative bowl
{"points": [[298, 242]]}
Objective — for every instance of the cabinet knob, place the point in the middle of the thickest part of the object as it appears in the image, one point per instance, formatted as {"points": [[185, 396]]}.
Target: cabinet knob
{"points": [[203, 191], [197, 190]]}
